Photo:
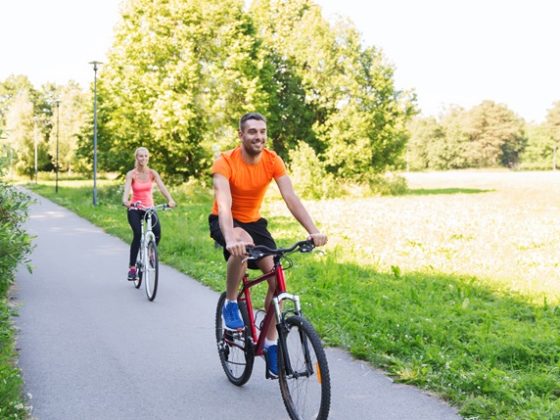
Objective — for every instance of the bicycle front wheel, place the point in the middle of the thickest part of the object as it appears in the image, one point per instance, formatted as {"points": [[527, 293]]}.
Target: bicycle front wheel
{"points": [[151, 270], [303, 371], [234, 347]]}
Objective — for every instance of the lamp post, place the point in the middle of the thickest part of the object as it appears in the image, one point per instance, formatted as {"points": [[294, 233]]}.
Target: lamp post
{"points": [[95, 67], [57, 103], [35, 147]]}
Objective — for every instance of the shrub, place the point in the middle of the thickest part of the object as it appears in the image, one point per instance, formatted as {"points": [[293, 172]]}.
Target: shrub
{"points": [[308, 174], [15, 243]]}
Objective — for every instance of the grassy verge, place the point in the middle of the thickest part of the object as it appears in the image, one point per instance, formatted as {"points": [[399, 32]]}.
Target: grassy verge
{"points": [[14, 245], [491, 352]]}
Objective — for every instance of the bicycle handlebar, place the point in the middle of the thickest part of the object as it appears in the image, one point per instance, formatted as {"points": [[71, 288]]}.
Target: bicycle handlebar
{"points": [[138, 206], [256, 252]]}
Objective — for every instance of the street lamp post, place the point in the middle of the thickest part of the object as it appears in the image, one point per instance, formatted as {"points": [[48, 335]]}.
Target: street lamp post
{"points": [[35, 148], [95, 67], [57, 103]]}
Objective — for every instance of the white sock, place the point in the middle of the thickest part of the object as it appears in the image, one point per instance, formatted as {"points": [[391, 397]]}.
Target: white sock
{"points": [[268, 343], [228, 301]]}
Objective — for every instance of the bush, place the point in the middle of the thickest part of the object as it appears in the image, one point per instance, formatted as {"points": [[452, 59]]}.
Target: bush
{"points": [[386, 184], [15, 244], [308, 174]]}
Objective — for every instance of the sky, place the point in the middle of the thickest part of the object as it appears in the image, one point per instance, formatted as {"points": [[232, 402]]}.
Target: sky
{"points": [[450, 52]]}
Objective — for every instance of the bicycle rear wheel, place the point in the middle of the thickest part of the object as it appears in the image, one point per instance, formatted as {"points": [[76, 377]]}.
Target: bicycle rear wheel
{"points": [[138, 282], [234, 347], [151, 271], [303, 371]]}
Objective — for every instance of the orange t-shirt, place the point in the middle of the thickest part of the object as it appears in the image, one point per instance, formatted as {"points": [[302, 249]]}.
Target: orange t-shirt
{"points": [[247, 182]]}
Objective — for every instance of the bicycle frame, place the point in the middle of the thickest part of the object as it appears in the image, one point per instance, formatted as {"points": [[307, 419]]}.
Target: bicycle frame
{"points": [[273, 312], [146, 234]]}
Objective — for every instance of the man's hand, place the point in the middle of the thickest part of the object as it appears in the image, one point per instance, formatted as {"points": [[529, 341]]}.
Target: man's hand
{"points": [[319, 239], [237, 248]]}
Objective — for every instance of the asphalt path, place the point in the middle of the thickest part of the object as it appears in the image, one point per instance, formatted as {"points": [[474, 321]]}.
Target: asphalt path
{"points": [[93, 347]]}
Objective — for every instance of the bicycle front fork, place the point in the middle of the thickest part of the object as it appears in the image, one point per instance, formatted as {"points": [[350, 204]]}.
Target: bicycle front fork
{"points": [[277, 300], [282, 326]]}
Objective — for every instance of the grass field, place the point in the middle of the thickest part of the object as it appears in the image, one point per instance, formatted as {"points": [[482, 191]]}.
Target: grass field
{"points": [[503, 227], [452, 287]]}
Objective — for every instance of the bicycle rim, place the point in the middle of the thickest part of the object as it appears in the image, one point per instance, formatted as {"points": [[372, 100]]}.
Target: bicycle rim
{"points": [[234, 348], [152, 270], [306, 387]]}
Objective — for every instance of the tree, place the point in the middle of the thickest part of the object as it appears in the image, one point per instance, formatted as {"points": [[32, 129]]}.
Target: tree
{"points": [[540, 147], [426, 139], [496, 135], [72, 115], [552, 124], [354, 118], [20, 133], [178, 76]]}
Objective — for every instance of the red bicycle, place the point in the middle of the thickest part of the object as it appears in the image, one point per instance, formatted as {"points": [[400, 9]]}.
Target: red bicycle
{"points": [[302, 364]]}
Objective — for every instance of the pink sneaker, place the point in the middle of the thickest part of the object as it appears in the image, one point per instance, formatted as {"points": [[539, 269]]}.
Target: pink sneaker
{"points": [[132, 274]]}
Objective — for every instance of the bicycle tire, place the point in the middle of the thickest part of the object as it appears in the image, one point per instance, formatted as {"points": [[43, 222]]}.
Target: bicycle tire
{"points": [[306, 390], [151, 271], [138, 281], [234, 348]]}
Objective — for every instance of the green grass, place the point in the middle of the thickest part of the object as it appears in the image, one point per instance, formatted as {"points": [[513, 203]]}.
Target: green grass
{"points": [[11, 384], [492, 352]]}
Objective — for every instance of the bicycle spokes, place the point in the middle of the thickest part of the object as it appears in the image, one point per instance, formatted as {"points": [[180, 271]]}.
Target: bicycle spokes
{"points": [[234, 349], [304, 375], [151, 270]]}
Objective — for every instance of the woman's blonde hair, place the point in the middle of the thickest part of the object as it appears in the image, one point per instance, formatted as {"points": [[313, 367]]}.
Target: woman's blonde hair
{"points": [[138, 150]]}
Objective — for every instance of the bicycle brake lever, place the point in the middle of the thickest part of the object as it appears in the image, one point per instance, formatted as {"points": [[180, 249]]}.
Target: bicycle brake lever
{"points": [[304, 248]]}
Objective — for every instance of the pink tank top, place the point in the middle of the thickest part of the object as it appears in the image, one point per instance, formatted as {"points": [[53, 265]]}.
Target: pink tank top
{"points": [[142, 191]]}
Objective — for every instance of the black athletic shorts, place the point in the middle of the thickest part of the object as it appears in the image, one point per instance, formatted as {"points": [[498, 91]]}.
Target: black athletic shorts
{"points": [[257, 230]]}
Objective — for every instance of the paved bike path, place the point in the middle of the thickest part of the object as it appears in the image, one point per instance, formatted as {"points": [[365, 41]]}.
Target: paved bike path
{"points": [[93, 347]]}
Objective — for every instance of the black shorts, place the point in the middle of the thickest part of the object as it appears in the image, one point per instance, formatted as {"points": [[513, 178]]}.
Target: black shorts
{"points": [[257, 230]]}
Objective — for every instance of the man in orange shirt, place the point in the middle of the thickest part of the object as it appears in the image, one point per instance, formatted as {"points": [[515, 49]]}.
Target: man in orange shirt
{"points": [[241, 177]]}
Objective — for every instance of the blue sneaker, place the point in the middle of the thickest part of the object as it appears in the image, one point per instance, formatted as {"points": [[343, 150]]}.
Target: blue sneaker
{"points": [[271, 357], [232, 319]]}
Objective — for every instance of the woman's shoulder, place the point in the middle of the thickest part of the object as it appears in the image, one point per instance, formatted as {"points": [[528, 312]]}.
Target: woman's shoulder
{"points": [[153, 173]]}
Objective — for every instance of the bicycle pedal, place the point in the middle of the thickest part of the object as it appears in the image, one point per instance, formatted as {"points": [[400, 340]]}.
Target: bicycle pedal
{"points": [[233, 330]]}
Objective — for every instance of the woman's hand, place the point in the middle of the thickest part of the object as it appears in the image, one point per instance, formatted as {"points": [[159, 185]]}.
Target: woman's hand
{"points": [[171, 203]]}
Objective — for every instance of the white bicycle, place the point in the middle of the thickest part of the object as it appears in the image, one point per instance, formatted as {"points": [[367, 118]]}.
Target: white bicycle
{"points": [[147, 263]]}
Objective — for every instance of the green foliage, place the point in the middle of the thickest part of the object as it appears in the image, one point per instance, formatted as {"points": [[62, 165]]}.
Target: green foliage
{"points": [[15, 244], [386, 184], [180, 74], [178, 77], [496, 136], [66, 123], [356, 116], [539, 153], [19, 128], [308, 174], [488, 135], [426, 135]]}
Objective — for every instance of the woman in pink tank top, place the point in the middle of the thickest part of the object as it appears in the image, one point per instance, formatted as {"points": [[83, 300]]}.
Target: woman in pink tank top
{"points": [[140, 181]]}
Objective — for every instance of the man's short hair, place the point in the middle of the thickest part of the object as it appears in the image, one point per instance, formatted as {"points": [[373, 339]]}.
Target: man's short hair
{"points": [[250, 116]]}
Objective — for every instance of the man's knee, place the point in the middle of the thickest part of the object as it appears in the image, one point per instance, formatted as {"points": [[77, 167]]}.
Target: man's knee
{"points": [[242, 235]]}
